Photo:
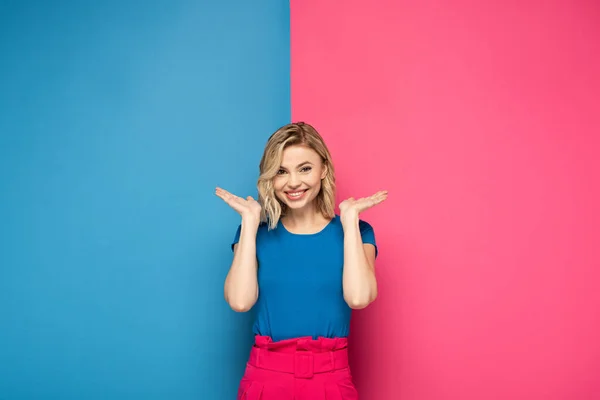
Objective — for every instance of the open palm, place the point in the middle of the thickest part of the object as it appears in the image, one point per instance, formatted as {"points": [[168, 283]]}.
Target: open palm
{"points": [[354, 206], [247, 208]]}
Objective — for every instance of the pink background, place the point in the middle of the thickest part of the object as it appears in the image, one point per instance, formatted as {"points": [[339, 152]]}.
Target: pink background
{"points": [[482, 121]]}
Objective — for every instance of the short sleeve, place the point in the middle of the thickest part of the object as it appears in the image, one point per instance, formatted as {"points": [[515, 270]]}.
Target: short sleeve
{"points": [[236, 238], [368, 234]]}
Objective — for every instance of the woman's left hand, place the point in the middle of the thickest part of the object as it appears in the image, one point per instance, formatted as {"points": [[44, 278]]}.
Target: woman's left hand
{"points": [[353, 207]]}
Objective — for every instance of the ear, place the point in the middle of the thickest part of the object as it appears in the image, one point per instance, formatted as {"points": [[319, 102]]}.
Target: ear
{"points": [[324, 172]]}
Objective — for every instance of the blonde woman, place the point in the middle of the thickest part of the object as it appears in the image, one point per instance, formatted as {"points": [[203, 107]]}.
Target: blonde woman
{"points": [[303, 268]]}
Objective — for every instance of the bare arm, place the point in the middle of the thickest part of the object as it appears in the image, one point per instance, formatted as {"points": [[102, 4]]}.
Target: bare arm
{"points": [[359, 281], [241, 285]]}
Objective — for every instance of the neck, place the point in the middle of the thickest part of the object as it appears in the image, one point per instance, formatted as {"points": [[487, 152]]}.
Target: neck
{"points": [[305, 218]]}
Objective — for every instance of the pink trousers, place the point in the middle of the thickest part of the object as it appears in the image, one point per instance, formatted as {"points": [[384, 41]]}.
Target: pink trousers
{"points": [[298, 369]]}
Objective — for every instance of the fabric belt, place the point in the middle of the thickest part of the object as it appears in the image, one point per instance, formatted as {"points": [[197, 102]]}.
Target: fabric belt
{"points": [[301, 363]]}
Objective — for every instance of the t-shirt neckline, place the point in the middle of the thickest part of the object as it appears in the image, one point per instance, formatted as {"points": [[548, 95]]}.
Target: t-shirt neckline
{"points": [[308, 234]]}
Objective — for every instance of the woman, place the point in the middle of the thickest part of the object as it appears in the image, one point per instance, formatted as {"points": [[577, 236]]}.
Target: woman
{"points": [[303, 268]]}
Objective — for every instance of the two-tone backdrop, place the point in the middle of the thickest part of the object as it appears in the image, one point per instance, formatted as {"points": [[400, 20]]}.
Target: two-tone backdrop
{"points": [[117, 120]]}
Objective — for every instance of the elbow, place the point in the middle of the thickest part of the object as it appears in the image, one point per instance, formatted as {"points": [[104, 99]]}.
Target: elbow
{"points": [[357, 305], [240, 306], [360, 302], [239, 301]]}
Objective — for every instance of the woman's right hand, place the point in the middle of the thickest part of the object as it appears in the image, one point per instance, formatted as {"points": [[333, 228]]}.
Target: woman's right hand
{"points": [[248, 208]]}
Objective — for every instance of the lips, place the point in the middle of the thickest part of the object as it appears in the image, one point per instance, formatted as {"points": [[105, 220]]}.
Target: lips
{"points": [[296, 194]]}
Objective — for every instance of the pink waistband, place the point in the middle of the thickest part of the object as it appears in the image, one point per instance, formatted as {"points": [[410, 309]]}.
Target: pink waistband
{"points": [[302, 357], [302, 343]]}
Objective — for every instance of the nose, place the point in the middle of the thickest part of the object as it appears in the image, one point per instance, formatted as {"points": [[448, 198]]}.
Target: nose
{"points": [[294, 181]]}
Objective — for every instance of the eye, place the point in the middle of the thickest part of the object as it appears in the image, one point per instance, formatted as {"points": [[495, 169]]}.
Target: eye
{"points": [[281, 172], [306, 169]]}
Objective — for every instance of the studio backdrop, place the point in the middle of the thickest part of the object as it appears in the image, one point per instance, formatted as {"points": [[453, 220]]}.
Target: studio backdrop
{"points": [[118, 119]]}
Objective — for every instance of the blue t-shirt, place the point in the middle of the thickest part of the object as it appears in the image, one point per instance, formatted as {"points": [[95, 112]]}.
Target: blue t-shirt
{"points": [[300, 281]]}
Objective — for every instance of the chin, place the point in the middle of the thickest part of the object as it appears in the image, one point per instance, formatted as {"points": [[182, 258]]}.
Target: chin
{"points": [[295, 206]]}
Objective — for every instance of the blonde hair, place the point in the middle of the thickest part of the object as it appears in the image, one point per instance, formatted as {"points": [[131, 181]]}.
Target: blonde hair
{"points": [[298, 133]]}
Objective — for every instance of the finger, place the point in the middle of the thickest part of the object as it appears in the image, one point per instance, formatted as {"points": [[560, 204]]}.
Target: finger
{"points": [[225, 195], [236, 204], [221, 195], [378, 199], [380, 193], [221, 192], [231, 199], [225, 192], [368, 202]]}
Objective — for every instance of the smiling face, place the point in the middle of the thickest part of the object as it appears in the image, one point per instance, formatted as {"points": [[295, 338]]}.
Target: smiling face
{"points": [[298, 180], [296, 174]]}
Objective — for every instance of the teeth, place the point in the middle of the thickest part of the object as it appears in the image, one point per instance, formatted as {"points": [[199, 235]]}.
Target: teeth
{"points": [[295, 194]]}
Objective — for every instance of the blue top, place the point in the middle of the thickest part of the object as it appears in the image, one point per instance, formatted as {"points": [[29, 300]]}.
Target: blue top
{"points": [[300, 281]]}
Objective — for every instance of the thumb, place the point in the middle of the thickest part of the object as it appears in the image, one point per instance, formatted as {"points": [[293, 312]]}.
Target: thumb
{"points": [[249, 198]]}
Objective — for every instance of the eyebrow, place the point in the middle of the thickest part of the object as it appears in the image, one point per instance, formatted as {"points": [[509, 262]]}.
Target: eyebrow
{"points": [[299, 165]]}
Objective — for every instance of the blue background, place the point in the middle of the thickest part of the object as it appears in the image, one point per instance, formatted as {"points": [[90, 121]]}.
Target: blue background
{"points": [[117, 121]]}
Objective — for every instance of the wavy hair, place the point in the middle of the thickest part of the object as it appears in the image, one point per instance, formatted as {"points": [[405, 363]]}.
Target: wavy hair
{"points": [[298, 133]]}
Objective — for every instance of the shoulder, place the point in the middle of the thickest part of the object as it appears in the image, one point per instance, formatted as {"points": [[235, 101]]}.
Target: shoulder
{"points": [[367, 232], [364, 226], [261, 234], [263, 226], [368, 235]]}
